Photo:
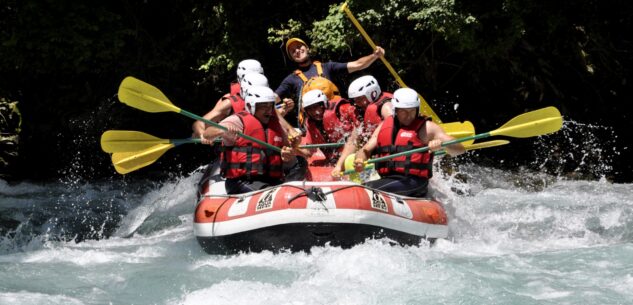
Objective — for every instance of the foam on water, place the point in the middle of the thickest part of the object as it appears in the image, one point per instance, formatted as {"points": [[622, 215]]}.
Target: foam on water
{"points": [[516, 237], [24, 297], [168, 200]]}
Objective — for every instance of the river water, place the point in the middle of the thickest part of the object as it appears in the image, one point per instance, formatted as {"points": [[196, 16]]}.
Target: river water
{"points": [[516, 237]]}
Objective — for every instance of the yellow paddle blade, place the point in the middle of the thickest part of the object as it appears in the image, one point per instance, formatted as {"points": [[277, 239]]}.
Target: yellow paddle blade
{"points": [[349, 165], [480, 145], [425, 109], [459, 130], [530, 124], [141, 95], [113, 141], [125, 162], [486, 144]]}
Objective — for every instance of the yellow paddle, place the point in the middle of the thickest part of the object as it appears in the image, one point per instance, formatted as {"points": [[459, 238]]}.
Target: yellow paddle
{"points": [[125, 162], [127, 140], [143, 96], [459, 130], [113, 141], [480, 145], [531, 124], [349, 166], [424, 106], [133, 150]]}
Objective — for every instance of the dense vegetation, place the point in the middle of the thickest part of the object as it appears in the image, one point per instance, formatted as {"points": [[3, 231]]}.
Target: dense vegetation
{"points": [[62, 62]]}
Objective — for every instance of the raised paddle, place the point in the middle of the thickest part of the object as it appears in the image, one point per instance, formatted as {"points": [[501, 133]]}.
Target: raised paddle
{"points": [[531, 124], [141, 95], [424, 106]]}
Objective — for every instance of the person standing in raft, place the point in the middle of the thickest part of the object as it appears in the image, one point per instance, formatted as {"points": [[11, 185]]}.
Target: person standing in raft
{"points": [[405, 130], [327, 121], [299, 52], [246, 165], [249, 73]]}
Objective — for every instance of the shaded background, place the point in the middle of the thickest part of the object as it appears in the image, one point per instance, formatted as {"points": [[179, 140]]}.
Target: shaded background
{"points": [[483, 61]]}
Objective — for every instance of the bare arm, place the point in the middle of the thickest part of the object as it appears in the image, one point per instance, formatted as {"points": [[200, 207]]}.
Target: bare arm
{"points": [[293, 137], [221, 110], [435, 135], [386, 110], [365, 61], [232, 123], [211, 132], [287, 106]]}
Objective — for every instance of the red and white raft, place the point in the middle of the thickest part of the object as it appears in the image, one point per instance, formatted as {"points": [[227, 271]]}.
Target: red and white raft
{"points": [[299, 215]]}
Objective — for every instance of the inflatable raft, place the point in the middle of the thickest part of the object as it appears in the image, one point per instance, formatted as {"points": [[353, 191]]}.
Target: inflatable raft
{"points": [[298, 215]]}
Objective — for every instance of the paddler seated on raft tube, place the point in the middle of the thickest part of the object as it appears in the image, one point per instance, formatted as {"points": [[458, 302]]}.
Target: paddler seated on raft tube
{"points": [[405, 130], [326, 121], [296, 170], [371, 106], [249, 166], [249, 73], [299, 52]]}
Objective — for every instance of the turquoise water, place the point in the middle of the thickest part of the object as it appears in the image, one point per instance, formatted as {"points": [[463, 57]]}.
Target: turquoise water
{"points": [[513, 240]]}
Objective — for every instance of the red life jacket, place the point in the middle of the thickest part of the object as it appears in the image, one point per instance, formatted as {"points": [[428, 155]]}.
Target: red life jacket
{"points": [[392, 139], [340, 119], [313, 133], [315, 136], [237, 102], [249, 159], [372, 117], [235, 88]]}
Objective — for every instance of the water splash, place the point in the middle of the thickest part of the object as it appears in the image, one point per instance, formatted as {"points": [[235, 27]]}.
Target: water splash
{"points": [[160, 207]]}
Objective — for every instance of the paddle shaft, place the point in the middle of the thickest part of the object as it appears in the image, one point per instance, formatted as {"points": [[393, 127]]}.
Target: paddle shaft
{"points": [[371, 166], [424, 105], [426, 148], [137, 93], [486, 144], [214, 124], [177, 142], [323, 145], [371, 43]]}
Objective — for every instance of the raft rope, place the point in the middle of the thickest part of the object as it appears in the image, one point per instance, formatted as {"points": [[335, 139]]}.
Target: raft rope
{"points": [[312, 191]]}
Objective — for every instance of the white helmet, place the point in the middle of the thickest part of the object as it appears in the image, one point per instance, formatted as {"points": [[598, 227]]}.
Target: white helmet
{"points": [[405, 98], [258, 94], [312, 97], [248, 66], [365, 85], [252, 79]]}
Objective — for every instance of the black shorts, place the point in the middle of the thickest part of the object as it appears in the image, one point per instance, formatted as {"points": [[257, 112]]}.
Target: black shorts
{"points": [[412, 186], [241, 185]]}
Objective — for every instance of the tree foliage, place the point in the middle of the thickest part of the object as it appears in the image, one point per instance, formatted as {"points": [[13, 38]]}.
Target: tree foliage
{"points": [[63, 60]]}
